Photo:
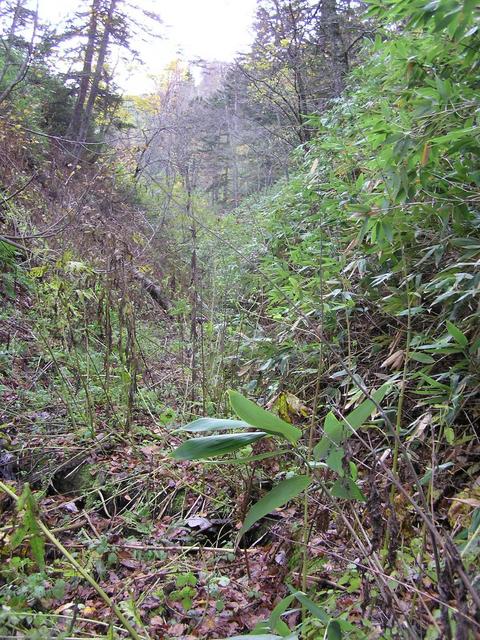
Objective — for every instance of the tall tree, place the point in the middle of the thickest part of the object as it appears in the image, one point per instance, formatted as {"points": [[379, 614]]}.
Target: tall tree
{"points": [[105, 23], [17, 53]]}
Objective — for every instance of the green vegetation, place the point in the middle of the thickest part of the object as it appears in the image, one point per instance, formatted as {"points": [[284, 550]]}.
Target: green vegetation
{"points": [[240, 381]]}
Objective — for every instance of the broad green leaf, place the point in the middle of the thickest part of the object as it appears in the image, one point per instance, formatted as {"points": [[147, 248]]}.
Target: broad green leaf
{"points": [[459, 337], [213, 424], [334, 429], [258, 417], [209, 446], [277, 497], [347, 489], [324, 449], [422, 357], [334, 631], [335, 459], [335, 432]]}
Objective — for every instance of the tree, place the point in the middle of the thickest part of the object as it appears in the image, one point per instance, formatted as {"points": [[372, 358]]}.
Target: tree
{"points": [[17, 53], [299, 59], [106, 23]]}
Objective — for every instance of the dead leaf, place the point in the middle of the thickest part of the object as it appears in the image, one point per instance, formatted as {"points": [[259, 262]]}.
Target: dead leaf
{"points": [[394, 361]]}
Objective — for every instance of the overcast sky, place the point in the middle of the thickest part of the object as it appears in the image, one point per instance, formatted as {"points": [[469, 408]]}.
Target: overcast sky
{"points": [[209, 29]]}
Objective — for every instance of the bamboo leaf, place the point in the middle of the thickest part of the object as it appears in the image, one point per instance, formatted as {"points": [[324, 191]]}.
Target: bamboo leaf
{"points": [[275, 621], [459, 337], [360, 415], [337, 431], [422, 357], [314, 609]]}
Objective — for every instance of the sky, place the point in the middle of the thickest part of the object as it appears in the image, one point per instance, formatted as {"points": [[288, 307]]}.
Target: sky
{"points": [[208, 29]]}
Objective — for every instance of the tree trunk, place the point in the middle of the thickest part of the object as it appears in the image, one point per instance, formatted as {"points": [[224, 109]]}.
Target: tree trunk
{"points": [[102, 53], [87, 113], [86, 75], [335, 44]]}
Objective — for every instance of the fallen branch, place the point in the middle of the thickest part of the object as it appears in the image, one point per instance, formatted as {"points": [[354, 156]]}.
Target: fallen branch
{"points": [[152, 289]]}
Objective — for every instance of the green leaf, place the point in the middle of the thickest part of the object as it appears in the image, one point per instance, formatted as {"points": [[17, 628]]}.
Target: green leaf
{"points": [[213, 424], [360, 415], [275, 621], [347, 489], [209, 446], [335, 460], [22, 500], [37, 544], [278, 496], [412, 311], [334, 631], [459, 337], [334, 429], [449, 435], [248, 459], [335, 432], [264, 636], [323, 449], [258, 417], [314, 609], [18, 537], [428, 475], [422, 357]]}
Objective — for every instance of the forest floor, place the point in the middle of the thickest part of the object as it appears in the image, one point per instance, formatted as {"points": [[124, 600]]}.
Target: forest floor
{"points": [[158, 535]]}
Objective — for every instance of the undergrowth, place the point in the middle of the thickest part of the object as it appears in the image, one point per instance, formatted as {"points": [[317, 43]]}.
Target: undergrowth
{"points": [[344, 301]]}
